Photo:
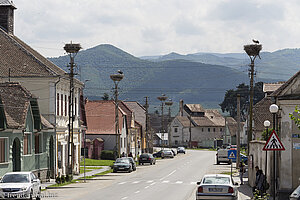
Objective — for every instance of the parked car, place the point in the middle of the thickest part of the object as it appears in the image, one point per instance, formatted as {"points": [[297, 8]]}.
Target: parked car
{"points": [[243, 158], [147, 158], [20, 185], [132, 162], [296, 194], [180, 150], [167, 154], [122, 164], [216, 186], [158, 154], [222, 156]]}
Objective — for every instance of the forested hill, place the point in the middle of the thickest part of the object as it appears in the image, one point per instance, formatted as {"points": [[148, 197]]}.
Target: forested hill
{"points": [[194, 82]]}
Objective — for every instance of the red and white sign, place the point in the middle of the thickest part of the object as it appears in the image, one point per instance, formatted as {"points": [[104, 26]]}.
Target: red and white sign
{"points": [[273, 143]]}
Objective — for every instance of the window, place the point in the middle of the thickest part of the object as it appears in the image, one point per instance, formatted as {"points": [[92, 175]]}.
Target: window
{"points": [[57, 104], [208, 129], [66, 105], [75, 105], [62, 104], [214, 130], [175, 130], [38, 143], [27, 144], [202, 129], [3, 150], [221, 129]]}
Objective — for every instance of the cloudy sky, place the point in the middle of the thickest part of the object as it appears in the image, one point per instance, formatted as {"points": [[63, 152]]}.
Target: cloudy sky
{"points": [[154, 27]]}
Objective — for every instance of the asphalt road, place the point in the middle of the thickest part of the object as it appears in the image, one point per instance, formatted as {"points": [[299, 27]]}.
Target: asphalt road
{"points": [[169, 179]]}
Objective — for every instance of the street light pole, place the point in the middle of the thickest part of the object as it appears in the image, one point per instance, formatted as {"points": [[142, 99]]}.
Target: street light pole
{"points": [[116, 79], [169, 103], [274, 110], [162, 98], [266, 125], [72, 50]]}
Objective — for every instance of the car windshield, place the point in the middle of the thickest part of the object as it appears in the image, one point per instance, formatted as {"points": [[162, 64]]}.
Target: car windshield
{"points": [[15, 178], [122, 160], [144, 155], [216, 180]]}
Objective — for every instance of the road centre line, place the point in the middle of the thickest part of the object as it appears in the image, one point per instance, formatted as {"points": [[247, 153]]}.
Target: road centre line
{"points": [[124, 197], [168, 175], [166, 181], [150, 181], [153, 183], [147, 187], [135, 182], [179, 182], [121, 183], [137, 192]]}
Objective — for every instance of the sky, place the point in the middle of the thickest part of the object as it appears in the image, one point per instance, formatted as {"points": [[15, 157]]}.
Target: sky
{"points": [[156, 27]]}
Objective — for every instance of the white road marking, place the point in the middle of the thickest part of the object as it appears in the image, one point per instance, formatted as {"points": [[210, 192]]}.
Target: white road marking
{"points": [[168, 175], [166, 181], [137, 192], [122, 183], [179, 182], [124, 197], [193, 183], [150, 181], [135, 182], [147, 187]]}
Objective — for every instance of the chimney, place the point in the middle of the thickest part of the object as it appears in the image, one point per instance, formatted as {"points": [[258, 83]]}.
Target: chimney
{"points": [[181, 108], [7, 16]]}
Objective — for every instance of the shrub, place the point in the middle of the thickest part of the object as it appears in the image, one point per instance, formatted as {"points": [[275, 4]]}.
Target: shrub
{"points": [[107, 155], [58, 180], [63, 179]]}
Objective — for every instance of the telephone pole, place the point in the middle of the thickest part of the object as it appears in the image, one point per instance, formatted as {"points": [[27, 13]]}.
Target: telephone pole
{"points": [[238, 130], [147, 126], [253, 51], [72, 50]]}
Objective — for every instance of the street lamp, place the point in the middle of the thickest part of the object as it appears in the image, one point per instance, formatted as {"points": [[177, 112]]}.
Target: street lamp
{"points": [[162, 98], [274, 110], [169, 103], [72, 50], [253, 51], [266, 125], [116, 79]]}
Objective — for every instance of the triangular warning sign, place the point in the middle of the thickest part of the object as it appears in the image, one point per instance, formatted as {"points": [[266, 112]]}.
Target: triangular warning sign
{"points": [[273, 143], [232, 155]]}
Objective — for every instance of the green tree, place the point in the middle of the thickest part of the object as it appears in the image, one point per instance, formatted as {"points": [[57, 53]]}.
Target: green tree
{"points": [[296, 117], [229, 103], [105, 96]]}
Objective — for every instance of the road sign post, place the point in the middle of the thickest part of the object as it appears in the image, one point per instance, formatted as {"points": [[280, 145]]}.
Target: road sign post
{"points": [[231, 156]]}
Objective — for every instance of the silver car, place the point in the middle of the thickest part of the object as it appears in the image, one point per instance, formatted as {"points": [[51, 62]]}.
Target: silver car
{"points": [[167, 154], [20, 185], [216, 186], [296, 194]]}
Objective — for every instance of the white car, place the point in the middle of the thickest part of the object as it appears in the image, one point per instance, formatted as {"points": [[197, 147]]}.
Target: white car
{"points": [[20, 185], [217, 186], [296, 194]]}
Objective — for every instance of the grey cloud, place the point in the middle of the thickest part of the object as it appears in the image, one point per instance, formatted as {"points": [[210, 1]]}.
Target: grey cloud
{"points": [[153, 34], [247, 11], [187, 27]]}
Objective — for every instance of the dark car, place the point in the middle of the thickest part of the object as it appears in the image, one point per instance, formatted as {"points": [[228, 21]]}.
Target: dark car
{"points": [[147, 158], [158, 154], [132, 162], [122, 164], [180, 150]]}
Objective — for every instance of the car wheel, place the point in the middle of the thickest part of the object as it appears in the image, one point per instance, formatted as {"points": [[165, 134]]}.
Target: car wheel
{"points": [[114, 171], [31, 195], [150, 163]]}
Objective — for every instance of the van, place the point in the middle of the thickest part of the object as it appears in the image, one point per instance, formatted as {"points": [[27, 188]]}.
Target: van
{"points": [[222, 156]]}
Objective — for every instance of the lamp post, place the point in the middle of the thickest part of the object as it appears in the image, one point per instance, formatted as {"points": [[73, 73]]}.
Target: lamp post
{"points": [[274, 110], [266, 125], [253, 51], [72, 50], [116, 79], [169, 103], [162, 98]]}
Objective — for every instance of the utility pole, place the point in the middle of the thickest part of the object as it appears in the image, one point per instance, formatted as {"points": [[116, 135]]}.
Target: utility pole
{"points": [[169, 103], [253, 51], [72, 50], [238, 130], [190, 130], [147, 126], [162, 98]]}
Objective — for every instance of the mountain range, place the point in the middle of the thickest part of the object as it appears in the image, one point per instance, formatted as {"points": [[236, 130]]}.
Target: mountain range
{"points": [[196, 78]]}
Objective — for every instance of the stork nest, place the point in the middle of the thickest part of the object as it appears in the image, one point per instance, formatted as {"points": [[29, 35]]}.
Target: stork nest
{"points": [[253, 49]]}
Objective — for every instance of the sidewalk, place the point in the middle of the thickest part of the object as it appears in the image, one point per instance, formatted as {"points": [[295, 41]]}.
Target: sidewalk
{"points": [[76, 177], [245, 191]]}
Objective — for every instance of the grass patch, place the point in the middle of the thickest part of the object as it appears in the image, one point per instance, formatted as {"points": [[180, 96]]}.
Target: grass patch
{"points": [[93, 162], [63, 184], [105, 172], [229, 173], [211, 149]]}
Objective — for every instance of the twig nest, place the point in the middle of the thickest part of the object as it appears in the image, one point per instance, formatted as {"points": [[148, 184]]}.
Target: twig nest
{"points": [[253, 49]]}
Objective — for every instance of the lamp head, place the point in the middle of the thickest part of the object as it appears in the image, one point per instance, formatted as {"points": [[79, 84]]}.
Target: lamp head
{"points": [[273, 108], [267, 123]]}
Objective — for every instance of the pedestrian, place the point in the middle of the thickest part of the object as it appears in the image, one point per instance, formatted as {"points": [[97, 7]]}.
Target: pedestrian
{"points": [[123, 154], [242, 171], [259, 182], [130, 155]]}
